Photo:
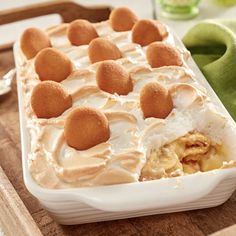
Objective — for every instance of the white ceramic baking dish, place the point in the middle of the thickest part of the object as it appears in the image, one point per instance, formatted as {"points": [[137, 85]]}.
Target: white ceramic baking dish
{"points": [[92, 204]]}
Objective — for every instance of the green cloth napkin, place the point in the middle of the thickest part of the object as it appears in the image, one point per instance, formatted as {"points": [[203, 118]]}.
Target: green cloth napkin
{"points": [[213, 47]]}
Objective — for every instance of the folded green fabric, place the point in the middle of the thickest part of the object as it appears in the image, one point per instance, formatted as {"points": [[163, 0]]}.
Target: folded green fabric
{"points": [[213, 47]]}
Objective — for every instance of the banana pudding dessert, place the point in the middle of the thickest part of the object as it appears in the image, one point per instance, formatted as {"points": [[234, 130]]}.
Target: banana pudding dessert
{"points": [[116, 102]]}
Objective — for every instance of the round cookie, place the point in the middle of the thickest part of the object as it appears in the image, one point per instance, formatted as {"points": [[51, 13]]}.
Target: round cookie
{"points": [[160, 54], [32, 41], [145, 32], [86, 127], [51, 64], [122, 19], [113, 78], [81, 32], [155, 101], [101, 49], [49, 99]]}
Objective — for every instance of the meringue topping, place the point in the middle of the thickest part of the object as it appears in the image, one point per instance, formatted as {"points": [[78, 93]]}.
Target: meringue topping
{"points": [[132, 140]]}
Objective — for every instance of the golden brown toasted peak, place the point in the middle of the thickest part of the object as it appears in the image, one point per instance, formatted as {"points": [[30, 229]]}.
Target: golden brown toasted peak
{"points": [[51, 64], [81, 32], [113, 78], [145, 32], [32, 41], [122, 19], [49, 99], [155, 101], [160, 54], [86, 127], [101, 49]]}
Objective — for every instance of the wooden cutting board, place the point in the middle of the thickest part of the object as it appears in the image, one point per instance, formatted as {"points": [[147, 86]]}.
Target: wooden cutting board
{"points": [[22, 214]]}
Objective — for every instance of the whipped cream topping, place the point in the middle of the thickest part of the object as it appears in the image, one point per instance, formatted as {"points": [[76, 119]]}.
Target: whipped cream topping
{"points": [[53, 164]]}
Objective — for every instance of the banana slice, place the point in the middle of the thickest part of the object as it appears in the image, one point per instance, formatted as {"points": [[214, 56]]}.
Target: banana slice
{"points": [[191, 167], [159, 164], [213, 161]]}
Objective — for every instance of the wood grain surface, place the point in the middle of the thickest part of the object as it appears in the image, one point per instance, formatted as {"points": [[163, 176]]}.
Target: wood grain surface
{"points": [[14, 217], [197, 223], [68, 10], [229, 231]]}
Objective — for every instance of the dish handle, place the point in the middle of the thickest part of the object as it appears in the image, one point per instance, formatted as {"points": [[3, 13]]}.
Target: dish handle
{"points": [[153, 194]]}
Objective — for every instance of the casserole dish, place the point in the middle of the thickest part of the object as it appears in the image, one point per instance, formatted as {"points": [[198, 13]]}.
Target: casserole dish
{"points": [[101, 203]]}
